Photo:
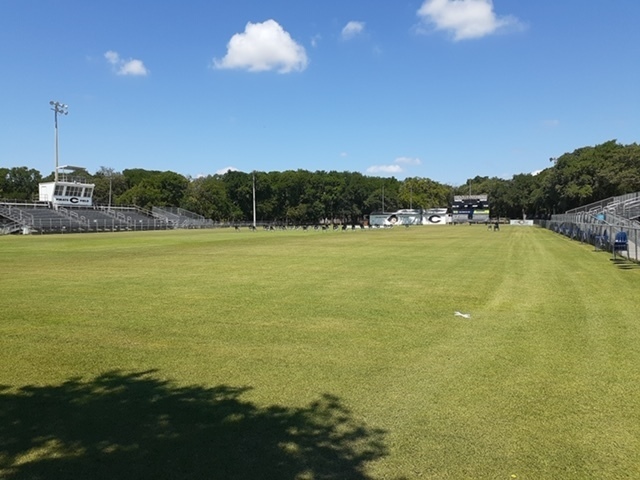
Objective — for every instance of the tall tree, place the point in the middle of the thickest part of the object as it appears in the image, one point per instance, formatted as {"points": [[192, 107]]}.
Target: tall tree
{"points": [[156, 189], [423, 193], [239, 187], [207, 196], [109, 185], [20, 183]]}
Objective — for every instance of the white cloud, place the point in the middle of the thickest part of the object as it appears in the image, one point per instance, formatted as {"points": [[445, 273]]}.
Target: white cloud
{"points": [[465, 19], [396, 167], [384, 169], [112, 57], [126, 67], [133, 67], [408, 161], [262, 47], [352, 29], [224, 170]]}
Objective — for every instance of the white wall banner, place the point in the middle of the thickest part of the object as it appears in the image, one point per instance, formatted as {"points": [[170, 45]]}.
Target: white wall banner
{"points": [[432, 216], [522, 223]]}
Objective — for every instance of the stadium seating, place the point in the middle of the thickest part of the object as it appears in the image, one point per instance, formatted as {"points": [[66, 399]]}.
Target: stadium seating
{"points": [[610, 225], [621, 243], [40, 217]]}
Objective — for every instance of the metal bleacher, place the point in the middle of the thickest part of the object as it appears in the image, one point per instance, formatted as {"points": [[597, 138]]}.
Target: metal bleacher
{"points": [[134, 218], [182, 218], [623, 206], [37, 217], [66, 205], [41, 217], [600, 223], [8, 226]]}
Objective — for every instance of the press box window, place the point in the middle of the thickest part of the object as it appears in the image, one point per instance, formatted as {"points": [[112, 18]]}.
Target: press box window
{"points": [[74, 191]]}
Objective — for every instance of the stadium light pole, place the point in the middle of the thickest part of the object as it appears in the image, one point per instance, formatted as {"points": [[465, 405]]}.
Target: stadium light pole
{"points": [[110, 187], [254, 199], [58, 108]]}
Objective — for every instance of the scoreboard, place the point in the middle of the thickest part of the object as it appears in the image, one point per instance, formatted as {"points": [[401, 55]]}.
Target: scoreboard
{"points": [[470, 209]]}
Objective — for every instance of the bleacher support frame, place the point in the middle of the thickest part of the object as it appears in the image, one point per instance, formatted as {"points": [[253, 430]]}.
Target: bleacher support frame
{"points": [[182, 218], [21, 216], [598, 224]]}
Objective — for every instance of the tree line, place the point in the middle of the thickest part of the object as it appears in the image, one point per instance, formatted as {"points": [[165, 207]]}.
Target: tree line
{"points": [[583, 176]]}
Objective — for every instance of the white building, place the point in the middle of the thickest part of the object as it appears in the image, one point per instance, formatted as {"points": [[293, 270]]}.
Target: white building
{"points": [[67, 190]]}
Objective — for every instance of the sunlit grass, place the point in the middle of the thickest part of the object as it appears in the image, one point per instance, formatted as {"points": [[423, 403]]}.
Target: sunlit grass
{"points": [[541, 381]]}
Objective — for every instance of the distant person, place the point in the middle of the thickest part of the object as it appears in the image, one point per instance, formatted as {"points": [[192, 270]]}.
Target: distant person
{"points": [[496, 227]]}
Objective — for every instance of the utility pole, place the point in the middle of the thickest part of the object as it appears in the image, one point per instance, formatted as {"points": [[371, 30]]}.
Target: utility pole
{"points": [[411, 196], [254, 199]]}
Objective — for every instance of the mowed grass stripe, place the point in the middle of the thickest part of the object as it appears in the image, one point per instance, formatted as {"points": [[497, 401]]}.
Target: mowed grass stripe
{"points": [[541, 382]]}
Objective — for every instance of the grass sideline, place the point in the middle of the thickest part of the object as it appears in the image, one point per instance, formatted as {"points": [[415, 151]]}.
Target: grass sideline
{"points": [[333, 354]]}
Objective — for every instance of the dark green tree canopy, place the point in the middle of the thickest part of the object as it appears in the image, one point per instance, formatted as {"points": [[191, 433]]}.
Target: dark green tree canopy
{"points": [[586, 175], [19, 183]]}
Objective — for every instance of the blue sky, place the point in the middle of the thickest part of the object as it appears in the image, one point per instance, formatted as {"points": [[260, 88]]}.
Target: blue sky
{"points": [[443, 89]]}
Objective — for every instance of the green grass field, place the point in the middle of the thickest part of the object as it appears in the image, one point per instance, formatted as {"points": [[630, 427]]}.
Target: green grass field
{"points": [[317, 355]]}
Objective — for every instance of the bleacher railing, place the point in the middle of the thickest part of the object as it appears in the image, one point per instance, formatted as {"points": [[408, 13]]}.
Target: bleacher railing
{"points": [[182, 218], [599, 230], [627, 206]]}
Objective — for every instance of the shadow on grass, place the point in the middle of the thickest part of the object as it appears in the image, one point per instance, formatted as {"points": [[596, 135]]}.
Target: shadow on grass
{"points": [[135, 426], [624, 264]]}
